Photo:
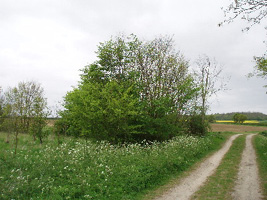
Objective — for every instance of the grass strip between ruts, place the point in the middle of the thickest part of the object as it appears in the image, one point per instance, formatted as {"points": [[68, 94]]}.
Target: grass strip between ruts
{"points": [[220, 185], [260, 145]]}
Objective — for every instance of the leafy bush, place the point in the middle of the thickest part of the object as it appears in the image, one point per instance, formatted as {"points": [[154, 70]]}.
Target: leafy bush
{"points": [[196, 125], [262, 124], [47, 130], [211, 118], [61, 126], [264, 133]]}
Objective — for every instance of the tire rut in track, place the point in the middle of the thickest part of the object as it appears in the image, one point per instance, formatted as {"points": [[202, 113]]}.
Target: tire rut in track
{"points": [[190, 184], [248, 185]]}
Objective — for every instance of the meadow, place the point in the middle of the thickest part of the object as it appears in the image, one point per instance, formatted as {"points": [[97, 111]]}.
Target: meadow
{"points": [[232, 121], [260, 144], [247, 122], [79, 169]]}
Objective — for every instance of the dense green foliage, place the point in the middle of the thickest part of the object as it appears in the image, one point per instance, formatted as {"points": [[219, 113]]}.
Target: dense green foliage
{"points": [[135, 90], [261, 123], [77, 169], [196, 125], [239, 118], [260, 144], [102, 111], [264, 133], [211, 118], [250, 115]]}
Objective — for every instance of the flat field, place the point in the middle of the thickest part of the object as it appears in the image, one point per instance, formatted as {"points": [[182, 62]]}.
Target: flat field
{"points": [[232, 121], [236, 128]]}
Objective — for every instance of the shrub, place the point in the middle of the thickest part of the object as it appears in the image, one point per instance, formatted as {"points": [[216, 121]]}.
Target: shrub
{"points": [[264, 133], [196, 125], [61, 126], [211, 118], [47, 130]]}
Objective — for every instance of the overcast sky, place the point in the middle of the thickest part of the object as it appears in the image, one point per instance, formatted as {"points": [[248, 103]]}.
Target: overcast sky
{"points": [[49, 41]]}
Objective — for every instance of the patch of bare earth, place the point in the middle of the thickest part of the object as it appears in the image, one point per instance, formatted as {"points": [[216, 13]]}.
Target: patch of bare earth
{"points": [[248, 185], [190, 184], [236, 128]]}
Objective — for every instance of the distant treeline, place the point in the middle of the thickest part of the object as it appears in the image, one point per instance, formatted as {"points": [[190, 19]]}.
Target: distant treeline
{"points": [[251, 116]]}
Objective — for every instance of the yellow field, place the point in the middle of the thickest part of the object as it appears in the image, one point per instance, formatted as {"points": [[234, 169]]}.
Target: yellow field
{"points": [[231, 121]]}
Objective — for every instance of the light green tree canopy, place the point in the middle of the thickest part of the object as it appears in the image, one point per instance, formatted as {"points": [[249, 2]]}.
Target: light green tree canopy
{"points": [[25, 109], [135, 90]]}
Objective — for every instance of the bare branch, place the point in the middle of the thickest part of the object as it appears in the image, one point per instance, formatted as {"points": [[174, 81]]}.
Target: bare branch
{"points": [[252, 11]]}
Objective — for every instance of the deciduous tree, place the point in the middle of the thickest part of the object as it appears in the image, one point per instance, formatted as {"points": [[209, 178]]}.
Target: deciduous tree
{"points": [[260, 69], [252, 11], [239, 118], [24, 105], [208, 79], [135, 90], [38, 117]]}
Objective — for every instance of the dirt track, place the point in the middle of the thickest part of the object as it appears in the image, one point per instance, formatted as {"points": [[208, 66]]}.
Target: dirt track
{"points": [[247, 184], [190, 184]]}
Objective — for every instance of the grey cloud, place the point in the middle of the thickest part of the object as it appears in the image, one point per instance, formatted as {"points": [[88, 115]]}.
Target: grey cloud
{"points": [[49, 41]]}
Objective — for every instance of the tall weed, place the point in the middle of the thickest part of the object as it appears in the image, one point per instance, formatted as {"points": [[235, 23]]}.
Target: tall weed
{"points": [[79, 170]]}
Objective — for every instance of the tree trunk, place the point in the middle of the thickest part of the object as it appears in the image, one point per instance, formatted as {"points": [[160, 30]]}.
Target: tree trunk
{"points": [[41, 140], [16, 142], [7, 137]]}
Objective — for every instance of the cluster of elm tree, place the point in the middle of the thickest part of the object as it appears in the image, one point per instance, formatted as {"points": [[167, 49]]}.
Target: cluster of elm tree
{"points": [[135, 90]]}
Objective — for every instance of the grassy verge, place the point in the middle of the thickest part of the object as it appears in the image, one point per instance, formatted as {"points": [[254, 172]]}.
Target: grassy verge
{"points": [[260, 144], [220, 184], [76, 170], [174, 179], [261, 123]]}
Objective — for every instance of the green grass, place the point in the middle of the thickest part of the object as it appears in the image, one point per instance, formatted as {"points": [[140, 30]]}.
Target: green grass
{"points": [[73, 170], [260, 144], [221, 183], [261, 123]]}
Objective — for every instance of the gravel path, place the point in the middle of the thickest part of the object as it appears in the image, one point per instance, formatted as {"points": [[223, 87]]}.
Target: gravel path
{"points": [[247, 184], [190, 184]]}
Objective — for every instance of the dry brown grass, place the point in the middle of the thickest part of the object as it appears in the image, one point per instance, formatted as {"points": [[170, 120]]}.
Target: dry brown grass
{"points": [[51, 122], [236, 128]]}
